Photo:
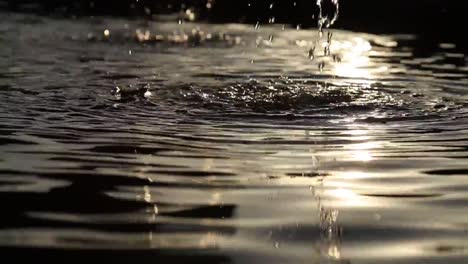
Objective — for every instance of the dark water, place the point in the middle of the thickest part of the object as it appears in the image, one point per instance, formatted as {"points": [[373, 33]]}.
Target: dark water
{"points": [[225, 147]]}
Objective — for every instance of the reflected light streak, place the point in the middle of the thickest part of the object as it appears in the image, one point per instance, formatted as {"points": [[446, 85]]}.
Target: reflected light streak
{"points": [[355, 62], [362, 155], [362, 151], [343, 193], [147, 194], [353, 175], [355, 67], [334, 251], [347, 198], [358, 132], [216, 198], [210, 240]]}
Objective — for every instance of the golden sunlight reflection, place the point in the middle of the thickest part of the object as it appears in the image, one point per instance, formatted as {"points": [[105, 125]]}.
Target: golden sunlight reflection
{"points": [[365, 147], [346, 198], [216, 198], [358, 132], [355, 62], [147, 194], [362, 152], [209, 240], [343, 193], [362, 155], [334, 251], [153, 212]]}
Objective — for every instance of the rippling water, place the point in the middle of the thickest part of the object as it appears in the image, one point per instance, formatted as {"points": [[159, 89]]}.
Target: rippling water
{"points": [[226, 143]]}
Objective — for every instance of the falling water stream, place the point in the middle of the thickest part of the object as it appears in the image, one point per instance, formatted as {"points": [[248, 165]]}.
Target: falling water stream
{"points": [[207, 143]]}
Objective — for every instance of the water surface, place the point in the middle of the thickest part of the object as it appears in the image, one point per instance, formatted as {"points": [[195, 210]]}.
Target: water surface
{"points": [[228, 144]]}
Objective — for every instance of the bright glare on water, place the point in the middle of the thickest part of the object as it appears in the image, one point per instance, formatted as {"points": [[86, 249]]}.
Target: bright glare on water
{"points": [[228, 143]]}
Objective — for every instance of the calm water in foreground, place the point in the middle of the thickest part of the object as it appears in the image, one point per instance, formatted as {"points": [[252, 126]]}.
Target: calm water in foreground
{"points": [[225, 147]]}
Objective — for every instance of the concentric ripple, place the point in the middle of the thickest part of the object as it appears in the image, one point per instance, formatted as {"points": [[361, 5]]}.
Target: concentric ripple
{"points": [[303, 97]]}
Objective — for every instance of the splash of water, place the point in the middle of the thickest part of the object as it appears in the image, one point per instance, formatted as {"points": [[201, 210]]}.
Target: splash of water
{"points": [[328, 14], [331, 231], [327, 17], [330, 242]]}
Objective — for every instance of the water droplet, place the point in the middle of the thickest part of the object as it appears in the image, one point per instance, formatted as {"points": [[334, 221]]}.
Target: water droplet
{"points": [[257, 25], [327, 19], [91, 37], [311, 54], [147, 11], [209, 4], [329, 37], [336, 58], [321, 66], [147, 94], [377, 217], [190, 14]]}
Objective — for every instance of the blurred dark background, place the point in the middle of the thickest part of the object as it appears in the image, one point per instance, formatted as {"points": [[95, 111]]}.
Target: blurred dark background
{"points": [[433, 18]]}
